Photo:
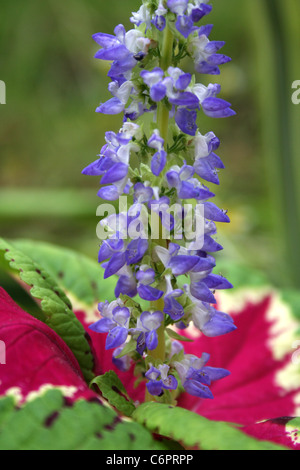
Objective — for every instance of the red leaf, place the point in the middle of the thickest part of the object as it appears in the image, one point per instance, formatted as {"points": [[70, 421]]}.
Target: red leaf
{"points": [[35, 355], [103, 359], [281, 431], [264, 383]]}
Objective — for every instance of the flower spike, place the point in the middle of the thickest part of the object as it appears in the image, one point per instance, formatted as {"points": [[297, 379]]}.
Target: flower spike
{"points": [[159, 162]]}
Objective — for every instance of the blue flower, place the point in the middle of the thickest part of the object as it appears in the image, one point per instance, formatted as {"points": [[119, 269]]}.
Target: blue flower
{"points": [[154, 80], [204, 52], [146, 329], [115, 322], [140, 283], [180, 260], [187, 186], [171, 306], [207, 163], [121, 96], [159, 19], [196, 377], [186, 120], [198, 9], [206, 318], [184, 23], [145, 277], [142, 194], [142, 16], [159, 159], [212, 106], [113, 163], [145, 269], [159, 380], [174, 87], [125, 49], [117, 250]]}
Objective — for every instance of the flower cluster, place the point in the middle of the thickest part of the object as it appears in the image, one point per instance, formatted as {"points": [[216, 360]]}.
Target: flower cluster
{"points": [[160, 158]]}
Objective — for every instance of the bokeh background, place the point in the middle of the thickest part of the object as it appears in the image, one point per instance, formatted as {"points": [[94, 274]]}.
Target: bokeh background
{"points": [[49, 130]]}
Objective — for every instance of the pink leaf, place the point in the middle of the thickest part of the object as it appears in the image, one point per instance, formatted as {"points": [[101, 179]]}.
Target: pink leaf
{"points": [[264, 383], [35, 355], [103, 359]]}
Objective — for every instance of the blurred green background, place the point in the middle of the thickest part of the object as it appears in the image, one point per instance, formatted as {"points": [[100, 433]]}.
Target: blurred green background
{"points": [[49, 131]]}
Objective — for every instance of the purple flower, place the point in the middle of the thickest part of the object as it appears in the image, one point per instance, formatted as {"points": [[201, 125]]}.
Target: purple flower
{"points": [[126, 284], [180, 260], [114, 162], [172, 307], [207, 162], [206, 318], [160, 380], [146, 329], [150, 270], [185, 25], [196, 377], [198, 9], [136, 250], [142, 194], [154, 80], [212, 106], [121, 95], [142, 16], [159, 20], [204, 52], [186, 120], [178, 7], [212, 212], [115, 322], [159, 159], [125, 49], [145, 277], [187, 186]]}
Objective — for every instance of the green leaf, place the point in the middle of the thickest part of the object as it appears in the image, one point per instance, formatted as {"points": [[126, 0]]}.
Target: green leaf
{"points": [[128, 348], [192, 430], [292, 298], [56, 308], [80, 277], [47, 423], [176, 336], [114, 391], [294, 427]]}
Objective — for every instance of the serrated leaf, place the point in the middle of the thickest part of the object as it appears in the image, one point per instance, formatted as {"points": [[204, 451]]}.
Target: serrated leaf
{"points": [[56, 307], [47, 423], [114, 391], [193, 430], [176, 336], [76, 274]]}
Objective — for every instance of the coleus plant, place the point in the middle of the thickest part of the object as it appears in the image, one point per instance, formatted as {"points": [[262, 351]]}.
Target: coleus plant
{"points": [[140, 366], [159, 159], [46, 402]]}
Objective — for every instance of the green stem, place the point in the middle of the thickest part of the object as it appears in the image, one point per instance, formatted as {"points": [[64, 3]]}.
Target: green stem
{"points": [[160, 351], [163, 126], [165, 62]]}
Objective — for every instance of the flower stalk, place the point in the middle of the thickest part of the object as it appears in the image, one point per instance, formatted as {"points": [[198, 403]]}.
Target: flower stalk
{"points": [[165, 280]]}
